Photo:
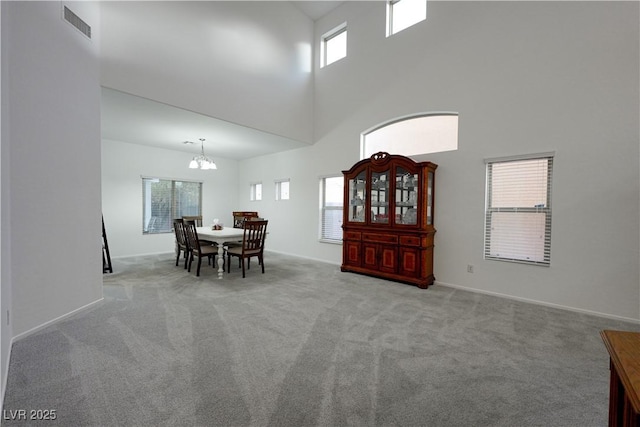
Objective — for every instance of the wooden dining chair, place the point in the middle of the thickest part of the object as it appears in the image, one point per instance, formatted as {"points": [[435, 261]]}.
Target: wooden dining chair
{"points": [[197, 248], [198, 221], [181, 241], [239, 217], [253, 238], [196, 218]]}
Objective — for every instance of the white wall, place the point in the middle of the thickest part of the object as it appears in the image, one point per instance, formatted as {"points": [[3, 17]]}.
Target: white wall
{"points": [[123, 165], [525, 77], [245, 62], [51, 190]]}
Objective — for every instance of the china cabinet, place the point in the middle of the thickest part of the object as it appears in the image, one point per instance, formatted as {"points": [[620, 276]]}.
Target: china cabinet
{"points": [[388, 226]]}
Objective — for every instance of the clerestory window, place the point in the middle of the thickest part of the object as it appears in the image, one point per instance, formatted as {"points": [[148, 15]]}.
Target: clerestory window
{"points": [[403, 14], [333, 45], [422, 133]]}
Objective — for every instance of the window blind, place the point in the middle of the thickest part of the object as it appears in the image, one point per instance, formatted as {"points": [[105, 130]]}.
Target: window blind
{"points": [[331, 201], [165, 199], [518, 210]]}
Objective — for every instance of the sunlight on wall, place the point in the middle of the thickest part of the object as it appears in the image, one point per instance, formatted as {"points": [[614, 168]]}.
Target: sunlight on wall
{"points": [[247, 47]]}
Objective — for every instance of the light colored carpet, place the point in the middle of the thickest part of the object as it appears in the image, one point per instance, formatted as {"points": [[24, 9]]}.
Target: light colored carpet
{"points": [[307, 345]]}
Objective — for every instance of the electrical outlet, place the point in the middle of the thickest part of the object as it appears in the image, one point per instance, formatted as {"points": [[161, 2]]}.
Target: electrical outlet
{"points": [[469, 268]]}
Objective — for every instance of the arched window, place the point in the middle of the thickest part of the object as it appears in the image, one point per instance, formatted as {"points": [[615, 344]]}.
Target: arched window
{"points": [[421, 133]]}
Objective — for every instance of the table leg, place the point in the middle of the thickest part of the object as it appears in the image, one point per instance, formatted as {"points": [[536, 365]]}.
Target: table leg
{"points": [[220, 261]]}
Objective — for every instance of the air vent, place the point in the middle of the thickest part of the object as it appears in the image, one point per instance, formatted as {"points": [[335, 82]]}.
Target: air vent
{"points": [[75, 20]]}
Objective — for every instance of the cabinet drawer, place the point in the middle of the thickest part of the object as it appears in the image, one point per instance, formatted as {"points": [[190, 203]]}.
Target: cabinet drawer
{"points": [[380, 238], [352, 235], [410, 240]]}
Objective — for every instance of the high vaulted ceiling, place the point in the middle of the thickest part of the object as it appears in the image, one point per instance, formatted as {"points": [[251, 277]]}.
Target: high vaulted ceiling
{"points": [[133, 119]]}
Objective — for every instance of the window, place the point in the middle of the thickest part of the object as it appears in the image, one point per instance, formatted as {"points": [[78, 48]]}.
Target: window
{"points": [[518, 210], [282, 189], [402, 14], [164, 199], [331, 202], [256, 191], [333, 45], [421, 133]]}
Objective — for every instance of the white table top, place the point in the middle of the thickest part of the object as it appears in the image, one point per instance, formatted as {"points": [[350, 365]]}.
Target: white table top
{"points": [[227, 233]]}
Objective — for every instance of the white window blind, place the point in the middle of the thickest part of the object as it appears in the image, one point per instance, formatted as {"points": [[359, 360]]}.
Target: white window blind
{"points": [[518, 210], [331, 203]]}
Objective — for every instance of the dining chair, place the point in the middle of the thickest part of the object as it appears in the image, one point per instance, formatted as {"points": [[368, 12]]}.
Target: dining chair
{"points": [[196, 218], [197, 248], [181, 241], [253, 238], [239, 217], [198, 221]]}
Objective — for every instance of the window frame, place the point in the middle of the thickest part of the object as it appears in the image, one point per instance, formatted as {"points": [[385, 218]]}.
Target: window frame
{"points": [[254, 194], [390, 18], [174, 206], [545, 208], [322, 237], [278, 186], [326, 38]]}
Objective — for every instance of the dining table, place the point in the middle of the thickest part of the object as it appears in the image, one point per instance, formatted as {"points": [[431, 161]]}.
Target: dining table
{"points": [[226, 234]]}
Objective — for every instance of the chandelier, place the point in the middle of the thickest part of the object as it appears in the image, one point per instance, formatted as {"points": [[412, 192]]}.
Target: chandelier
{"points": [[201, 161]]}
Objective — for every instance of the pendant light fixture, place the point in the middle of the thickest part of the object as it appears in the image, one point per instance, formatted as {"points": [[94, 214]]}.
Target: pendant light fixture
{"points": [[201, 161]]}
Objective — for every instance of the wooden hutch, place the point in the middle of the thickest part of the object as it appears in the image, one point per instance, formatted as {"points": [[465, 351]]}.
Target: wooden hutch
{"points": [[388, 219]]}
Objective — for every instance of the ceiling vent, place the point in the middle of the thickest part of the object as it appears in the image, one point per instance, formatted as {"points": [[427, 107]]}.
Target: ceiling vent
{"points": [[75, 20]]}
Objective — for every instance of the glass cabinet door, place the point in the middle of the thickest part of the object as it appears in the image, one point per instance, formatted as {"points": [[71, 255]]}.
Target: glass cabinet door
{"points": [[406, 202], [357, 194], [380, 197]]}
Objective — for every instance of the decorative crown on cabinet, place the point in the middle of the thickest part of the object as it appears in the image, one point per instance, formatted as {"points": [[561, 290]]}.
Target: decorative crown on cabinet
{"points": [[388, 226]]}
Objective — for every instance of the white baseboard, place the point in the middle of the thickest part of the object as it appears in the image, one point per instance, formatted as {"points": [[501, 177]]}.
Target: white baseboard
{"points": [[56, 320], [546, 304], [32, 331], [145, 254]]}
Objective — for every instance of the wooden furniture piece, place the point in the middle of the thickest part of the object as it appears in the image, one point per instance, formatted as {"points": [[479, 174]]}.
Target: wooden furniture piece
{"points": [[219, 237], [388, 226], [182, 246], [255, 232], [106, 256], [196, 218], [624, 386], [196, 247], [239, 217]]}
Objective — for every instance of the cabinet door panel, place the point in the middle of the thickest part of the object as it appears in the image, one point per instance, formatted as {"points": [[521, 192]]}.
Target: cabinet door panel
{"points": [[370, 256], [352, 253], [410, 262], [388, 259]]}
